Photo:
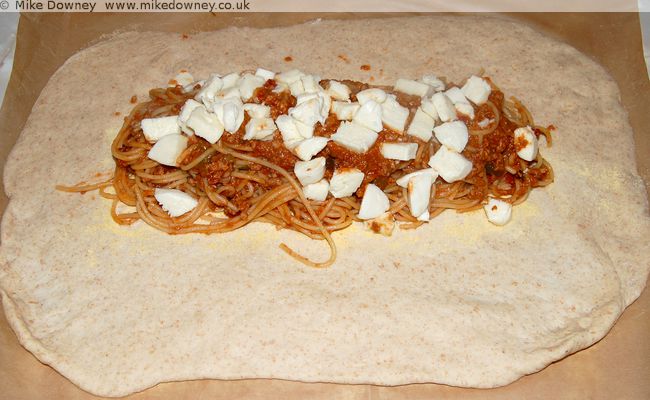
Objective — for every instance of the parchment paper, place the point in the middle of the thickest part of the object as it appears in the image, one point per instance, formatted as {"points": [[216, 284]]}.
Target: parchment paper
{"points": [[616, 367]]}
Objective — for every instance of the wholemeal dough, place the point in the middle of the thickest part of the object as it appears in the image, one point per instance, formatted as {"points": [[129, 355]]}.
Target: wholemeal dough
{"points": [[458, 301]]}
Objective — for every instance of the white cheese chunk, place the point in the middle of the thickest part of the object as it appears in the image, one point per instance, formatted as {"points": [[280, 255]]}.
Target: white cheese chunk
{"points": [[450, 165], [229, 93], [296, 88], [421, 125], [308, 148], [355, 137], [260, 129], [289, 77], [369, 115], [205, 124], [526, 142], [230, 81], [403, 181], [155, 128], [427, 106], [412, 87], [317, 191], [247, 85], [190, 86], [434, 82], [444, 107], [460, 102], [175, 202], [290, 134], [345, 182], [455, 95], [393, 115], [257, 110], [310, 171], [230, 112], [209, 90], [383, 224], [344, 111], [324, 101], [310, 83], [425, 216], [419, 193], [187, 109], [307, 112], [338, 91], [167, 149], [183, 78], [498, 211], [477, 90], [265, 74], [453, 135], [399, 151], [374, 203], [374, 94]]}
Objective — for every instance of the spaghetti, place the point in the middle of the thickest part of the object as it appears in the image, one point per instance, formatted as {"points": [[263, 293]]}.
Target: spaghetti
{"points": [[238, 181]]}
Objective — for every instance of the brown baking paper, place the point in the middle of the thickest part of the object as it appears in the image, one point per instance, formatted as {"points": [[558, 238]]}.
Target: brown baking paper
{"points": [[617, 367]]}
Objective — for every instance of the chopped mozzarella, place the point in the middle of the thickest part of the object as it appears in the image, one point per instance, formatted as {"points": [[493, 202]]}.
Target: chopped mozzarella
{"points": [[155, 128], [317, 191], [453, 135], [355, 137], [403, 181], [307, 112], [289, 77], [231, 80], [205, 124], [310, 171], [190, 86], [260, 129], [434, 82], [526, 143], [455, 95], [310, 83], [427, 106], [338, 91], [306, 131], [247, 85], [265, 74], [477, 90], [374, 203], [229, 93], [425, 216], [345, 181], [290, 134], [182, 78], [393, 115], [296, 88], [280, 87], [230, 112], [421, 126], [323, 100], [187, 109], [345, 111], [209, 91], [308, 148], [412, 87], [174, 201], [450, 165], [399, 151], [257, 110], [444, 107], [374, 94], [460, 102], [419, 193], [498, 211], [167, 149], [383, 224], [369, 115]]}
